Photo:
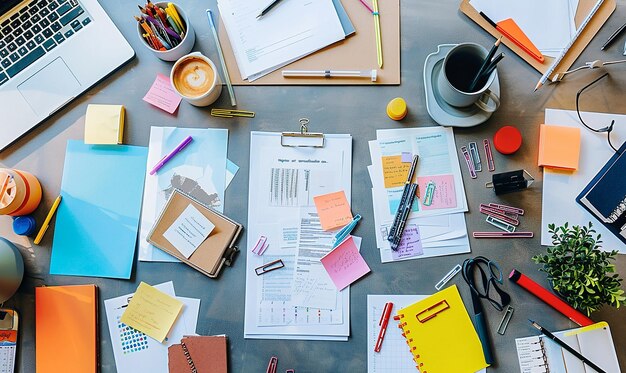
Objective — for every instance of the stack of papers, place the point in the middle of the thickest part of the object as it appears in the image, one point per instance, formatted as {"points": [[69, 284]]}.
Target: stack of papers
{"points": [[431, 230], [549, 25], [300, 300], [134, 351], [290, 31]]}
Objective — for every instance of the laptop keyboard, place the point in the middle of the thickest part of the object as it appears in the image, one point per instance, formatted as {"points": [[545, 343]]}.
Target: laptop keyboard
{"points": [[35, 30]]}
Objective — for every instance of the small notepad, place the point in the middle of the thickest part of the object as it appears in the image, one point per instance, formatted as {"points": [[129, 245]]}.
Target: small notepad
{"points": [[104, 124], [559, 147]]}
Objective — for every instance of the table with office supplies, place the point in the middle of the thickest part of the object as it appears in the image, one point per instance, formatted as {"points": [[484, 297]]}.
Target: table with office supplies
{"points": [[345, 110]]}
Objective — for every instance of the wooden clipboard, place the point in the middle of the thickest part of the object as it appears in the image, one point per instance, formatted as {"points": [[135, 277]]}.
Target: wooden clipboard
{"points": [[356, 52], [584, 7]]}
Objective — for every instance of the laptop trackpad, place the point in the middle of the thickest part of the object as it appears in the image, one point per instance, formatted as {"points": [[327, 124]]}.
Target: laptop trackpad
{"points": [[50, 87]]}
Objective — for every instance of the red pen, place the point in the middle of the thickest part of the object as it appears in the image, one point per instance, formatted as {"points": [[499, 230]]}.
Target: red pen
{"points": [[384, 320]]}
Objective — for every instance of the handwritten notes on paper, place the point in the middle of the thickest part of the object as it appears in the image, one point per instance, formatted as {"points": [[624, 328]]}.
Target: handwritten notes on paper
{"points": [[395, 171], [162, 95], [152, 312], [189, 230], [445, 194], [345, 264], [333, 210], [410, 244]]}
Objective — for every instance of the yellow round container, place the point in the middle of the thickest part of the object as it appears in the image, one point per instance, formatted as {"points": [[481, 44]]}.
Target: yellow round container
{"points": [[396, 109], [20, 192]]}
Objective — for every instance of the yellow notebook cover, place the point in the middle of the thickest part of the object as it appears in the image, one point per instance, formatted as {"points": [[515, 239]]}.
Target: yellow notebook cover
{"points": [[441, 335], [104, 124], [66, 329], [559, 147]]}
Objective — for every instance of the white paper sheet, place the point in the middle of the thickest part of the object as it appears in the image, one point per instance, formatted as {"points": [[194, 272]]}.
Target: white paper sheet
{"points": [[560, 189], [133, 350], [188, 231], [548, 24], [282, 180], [292, 30]]}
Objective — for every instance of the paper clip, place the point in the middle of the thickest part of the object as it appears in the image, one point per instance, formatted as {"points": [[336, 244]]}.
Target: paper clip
{"points": [[468, 160], [261, 246], [502, 234], [500, 224], [500, 211], [505, 320], [290, 371], [228, 113], [473, 150], [430, 193], [273, 365], [269, 267], [491, 166], [498, 214], [345, 231], [512, 210], [448, 277], [436, 308]]}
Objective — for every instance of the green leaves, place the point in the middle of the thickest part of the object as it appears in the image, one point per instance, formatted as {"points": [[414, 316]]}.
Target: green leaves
{"points": [[579, 270]]}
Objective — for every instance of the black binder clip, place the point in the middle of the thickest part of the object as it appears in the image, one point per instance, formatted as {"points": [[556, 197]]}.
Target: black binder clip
{"points": [[511, 181]]}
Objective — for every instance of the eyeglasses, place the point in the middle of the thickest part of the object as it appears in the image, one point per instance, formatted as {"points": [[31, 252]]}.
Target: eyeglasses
{"points": [[607, 129], [482, 275]]}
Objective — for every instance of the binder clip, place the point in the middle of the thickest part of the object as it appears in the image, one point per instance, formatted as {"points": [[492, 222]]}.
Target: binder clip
{"points": [[511, 181], [304, 138]]}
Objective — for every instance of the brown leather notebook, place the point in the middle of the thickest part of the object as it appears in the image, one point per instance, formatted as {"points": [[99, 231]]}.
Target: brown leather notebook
{"points": [[214, 252], [205, 354]]}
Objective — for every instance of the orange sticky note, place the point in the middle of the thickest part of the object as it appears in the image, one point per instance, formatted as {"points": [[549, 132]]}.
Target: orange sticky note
{"points": [[559, 147], [333, 210], [395, 171]]}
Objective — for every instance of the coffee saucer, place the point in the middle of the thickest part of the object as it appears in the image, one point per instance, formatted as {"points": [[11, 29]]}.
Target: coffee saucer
{"points": [[442, 112]]}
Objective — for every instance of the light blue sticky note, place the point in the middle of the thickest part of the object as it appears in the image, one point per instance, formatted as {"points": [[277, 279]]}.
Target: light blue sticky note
{"points": [[406, 157], [231, 171], [97, 220]]}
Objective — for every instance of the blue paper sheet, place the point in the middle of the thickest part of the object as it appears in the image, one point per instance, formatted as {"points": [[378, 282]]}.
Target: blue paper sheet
{"points": [[98, 218]]}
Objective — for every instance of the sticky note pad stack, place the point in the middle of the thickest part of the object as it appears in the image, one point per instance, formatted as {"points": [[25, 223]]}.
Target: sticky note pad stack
{"points": [[104, 124], [559, 147]]}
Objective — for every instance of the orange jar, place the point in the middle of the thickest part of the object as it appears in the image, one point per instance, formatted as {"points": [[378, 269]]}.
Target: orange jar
{"points": [[20, 192]]}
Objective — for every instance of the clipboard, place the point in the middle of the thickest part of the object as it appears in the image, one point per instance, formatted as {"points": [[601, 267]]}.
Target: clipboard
{"points": [[356, 52], [9, 321], [213, 253], [302, 139], [592, 28]]}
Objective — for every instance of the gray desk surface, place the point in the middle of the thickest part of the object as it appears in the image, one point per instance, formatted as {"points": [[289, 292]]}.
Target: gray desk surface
{"points": [[356, 110]]}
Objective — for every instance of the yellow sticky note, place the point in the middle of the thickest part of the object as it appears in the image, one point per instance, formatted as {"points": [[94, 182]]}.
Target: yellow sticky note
{"points": [[559, 147], [152, 312], [395, 171], [333, 210], [104, 124]]}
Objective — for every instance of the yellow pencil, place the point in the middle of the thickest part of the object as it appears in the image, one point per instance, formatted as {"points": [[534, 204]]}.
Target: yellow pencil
{"points": [[46, 222], [176, 16], [379, 42]]}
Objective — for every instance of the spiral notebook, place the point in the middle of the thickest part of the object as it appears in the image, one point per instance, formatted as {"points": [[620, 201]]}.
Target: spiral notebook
{"points": [[441, 335], [198, 354], [539, 354]]}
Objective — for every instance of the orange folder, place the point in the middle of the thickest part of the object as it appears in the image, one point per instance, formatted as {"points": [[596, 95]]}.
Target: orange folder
{"points": [[66, 322]]}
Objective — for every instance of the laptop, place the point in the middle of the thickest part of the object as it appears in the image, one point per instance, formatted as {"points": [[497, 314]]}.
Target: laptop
{"points": [[51, 51]]}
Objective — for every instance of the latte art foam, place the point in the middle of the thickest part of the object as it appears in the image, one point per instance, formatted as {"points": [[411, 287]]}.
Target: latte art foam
{"points": [[193, 77]]}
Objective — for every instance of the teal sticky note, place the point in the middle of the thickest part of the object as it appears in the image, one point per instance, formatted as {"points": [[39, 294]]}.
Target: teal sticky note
{"points": [[98, 218]]}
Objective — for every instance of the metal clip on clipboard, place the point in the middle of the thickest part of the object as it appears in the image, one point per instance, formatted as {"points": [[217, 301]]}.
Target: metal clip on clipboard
{"points": [[304, 138]]}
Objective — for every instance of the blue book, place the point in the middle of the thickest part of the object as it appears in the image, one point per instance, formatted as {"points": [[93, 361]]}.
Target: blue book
{"points": [[98, 218], [605, 196]]}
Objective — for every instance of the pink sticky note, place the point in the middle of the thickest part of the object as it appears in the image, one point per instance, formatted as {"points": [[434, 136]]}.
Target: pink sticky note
{"points": [[333, 210], [445, 193], [162, 95], [406, 157], [410, 245], [345, 264]]}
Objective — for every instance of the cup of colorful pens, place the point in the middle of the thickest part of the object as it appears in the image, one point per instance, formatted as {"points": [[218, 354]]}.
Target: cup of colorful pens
{"points": [[165, 29]]}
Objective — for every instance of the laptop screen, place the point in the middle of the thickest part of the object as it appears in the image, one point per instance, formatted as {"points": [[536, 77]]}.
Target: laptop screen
{"points": [[6, 5]]}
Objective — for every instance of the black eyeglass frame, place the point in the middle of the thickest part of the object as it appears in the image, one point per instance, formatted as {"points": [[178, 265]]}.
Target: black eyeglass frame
{"points": [[468, 271], [607, 129]]}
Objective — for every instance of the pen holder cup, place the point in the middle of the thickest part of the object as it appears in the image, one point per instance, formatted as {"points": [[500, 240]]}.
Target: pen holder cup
{"points": [[183, 48]]}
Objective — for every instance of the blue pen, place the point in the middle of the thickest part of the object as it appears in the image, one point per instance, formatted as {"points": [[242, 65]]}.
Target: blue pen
{"points": [[345, 231]]}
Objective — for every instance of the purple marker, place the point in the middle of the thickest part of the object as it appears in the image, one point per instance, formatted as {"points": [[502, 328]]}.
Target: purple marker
{"points": [[171, 155]]}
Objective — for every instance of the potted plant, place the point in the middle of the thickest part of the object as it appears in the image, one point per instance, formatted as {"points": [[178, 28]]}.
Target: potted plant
{"points": [[579, 270]]}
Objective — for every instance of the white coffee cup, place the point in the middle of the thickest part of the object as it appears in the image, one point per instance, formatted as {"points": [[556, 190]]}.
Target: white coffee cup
{"points": [[459, 68], [184, 47], [196, 79]]}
